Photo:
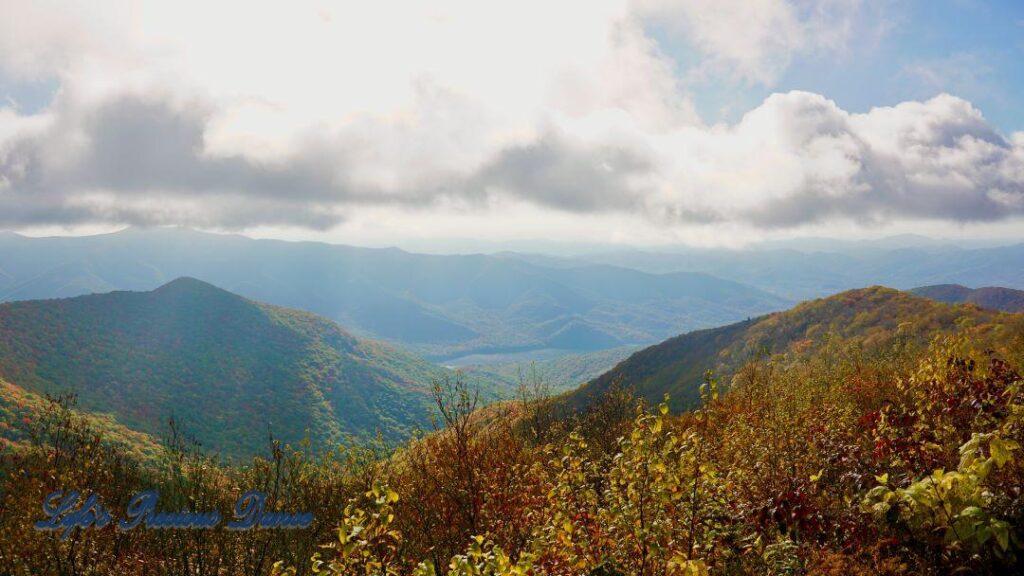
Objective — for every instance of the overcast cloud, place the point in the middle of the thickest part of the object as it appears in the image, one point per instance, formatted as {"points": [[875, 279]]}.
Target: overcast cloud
{"points": [[309, 116]]}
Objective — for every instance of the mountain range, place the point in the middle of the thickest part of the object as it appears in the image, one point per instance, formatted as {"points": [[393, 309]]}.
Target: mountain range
{"points": [[97, 316], [443, 307], [232, 371], [798, 272]]}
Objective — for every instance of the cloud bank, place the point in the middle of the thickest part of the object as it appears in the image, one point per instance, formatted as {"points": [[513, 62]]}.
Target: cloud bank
{"points": [[309, 116]]}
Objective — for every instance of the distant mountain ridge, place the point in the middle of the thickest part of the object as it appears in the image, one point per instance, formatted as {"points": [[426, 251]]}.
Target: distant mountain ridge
{"points": [[801, 274], [443, 307], [229, 369], [862, 317], [991, 297]]}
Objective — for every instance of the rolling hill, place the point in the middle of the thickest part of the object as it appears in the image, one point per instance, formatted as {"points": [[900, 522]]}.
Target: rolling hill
{"points": [[991, 298], [863, 317], [443, 307], [230, 370]]}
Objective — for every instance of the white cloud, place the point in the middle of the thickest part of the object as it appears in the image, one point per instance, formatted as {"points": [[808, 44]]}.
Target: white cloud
{"points": [[311, 115], [754, 40], [799, 159]]}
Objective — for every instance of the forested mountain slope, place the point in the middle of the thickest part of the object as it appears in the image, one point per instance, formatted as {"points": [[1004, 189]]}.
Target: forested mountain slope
{"points": [[864, 317], [230, 370], [23, 414], [991, 297]]}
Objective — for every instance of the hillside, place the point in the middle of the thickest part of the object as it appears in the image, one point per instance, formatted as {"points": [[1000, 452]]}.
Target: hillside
{"points": [[21, 412], [444, 307], [229, 369], [863, 317], [991, 298]]}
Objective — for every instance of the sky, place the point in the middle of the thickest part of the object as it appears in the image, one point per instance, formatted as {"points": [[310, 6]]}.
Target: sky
{"points": [[642, 122]]}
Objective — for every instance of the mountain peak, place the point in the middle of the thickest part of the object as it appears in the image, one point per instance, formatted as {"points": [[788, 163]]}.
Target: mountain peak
{"points": [[226, 367], [189, 285]]}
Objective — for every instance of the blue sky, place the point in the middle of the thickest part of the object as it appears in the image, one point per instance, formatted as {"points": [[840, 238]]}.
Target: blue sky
{"points": [[904, 51], [28, 96], [971, 49]]}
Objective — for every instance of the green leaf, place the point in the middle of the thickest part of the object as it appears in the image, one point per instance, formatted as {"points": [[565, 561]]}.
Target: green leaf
{"points": [[1001, 530], [972, 512], [1001, 451]]}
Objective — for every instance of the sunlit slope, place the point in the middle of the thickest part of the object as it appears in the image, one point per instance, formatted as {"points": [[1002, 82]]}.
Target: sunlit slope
{"points": [[866, 317]]}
